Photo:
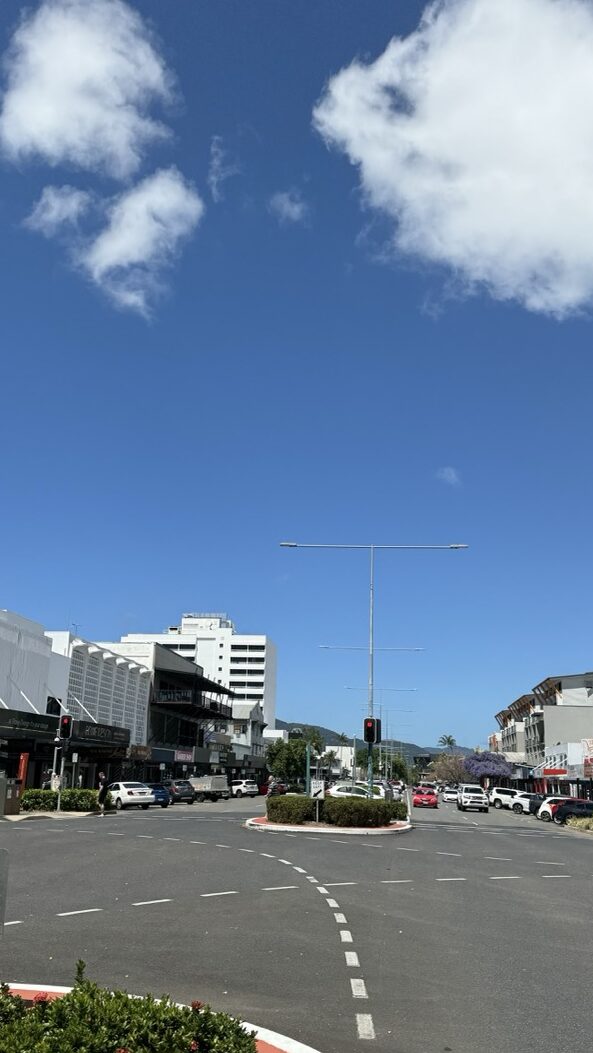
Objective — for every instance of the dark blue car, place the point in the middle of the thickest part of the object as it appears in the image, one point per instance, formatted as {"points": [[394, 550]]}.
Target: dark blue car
{"points": [[161, 794]]}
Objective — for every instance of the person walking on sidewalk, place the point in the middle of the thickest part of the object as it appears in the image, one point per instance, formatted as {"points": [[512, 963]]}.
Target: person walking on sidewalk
{"points": [[102, 793]]}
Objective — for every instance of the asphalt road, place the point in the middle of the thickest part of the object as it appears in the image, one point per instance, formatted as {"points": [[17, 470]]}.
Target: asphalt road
{"points": [[471, 932]]}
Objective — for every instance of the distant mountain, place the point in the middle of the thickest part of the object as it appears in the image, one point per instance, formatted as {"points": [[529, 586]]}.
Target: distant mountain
{"points": [[332, 738]]}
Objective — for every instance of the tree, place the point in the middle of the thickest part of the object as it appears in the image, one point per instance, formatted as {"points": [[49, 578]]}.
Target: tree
{"points": [[287, 760], [328, 759], [343, 739], [447, 742], [486, 765], [315, 739], [449, 768]]}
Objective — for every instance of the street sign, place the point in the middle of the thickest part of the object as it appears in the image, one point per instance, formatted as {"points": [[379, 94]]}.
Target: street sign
{"points": [[3, 885], [318, 789], [162, 767]]}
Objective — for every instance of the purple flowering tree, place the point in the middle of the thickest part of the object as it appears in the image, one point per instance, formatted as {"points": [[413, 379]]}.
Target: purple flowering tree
{"points": [[487, 765]]}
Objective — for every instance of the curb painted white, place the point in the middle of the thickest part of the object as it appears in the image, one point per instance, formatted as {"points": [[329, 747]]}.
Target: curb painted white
{"points": [[283, 828], [282, 1042]]}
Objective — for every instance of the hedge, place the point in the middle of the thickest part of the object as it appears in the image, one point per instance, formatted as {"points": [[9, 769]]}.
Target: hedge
{"points": [[347, 811], [95, 1020], [71, 800]]}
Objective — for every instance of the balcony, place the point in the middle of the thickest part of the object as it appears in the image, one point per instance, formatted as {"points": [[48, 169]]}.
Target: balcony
{"points": [[192, 703]]}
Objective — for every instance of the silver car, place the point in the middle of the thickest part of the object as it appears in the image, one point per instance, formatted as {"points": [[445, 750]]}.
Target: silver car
{"points": [[130, 795]]}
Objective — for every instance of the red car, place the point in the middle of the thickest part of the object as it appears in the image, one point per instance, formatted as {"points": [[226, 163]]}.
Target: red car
{"points": [[424, 797]]}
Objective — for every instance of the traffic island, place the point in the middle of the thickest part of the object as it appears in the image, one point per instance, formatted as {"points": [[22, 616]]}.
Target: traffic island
{"points": [[263, 824], [348, 815], [27, 1016]]}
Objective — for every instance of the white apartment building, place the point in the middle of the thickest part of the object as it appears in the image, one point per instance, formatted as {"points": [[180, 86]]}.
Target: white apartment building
{"points": [[24, 664], [247, 730], [244, 662]]}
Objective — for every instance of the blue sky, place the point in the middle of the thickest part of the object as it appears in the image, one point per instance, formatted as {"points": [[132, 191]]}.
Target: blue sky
{"points": [[306, 377]]}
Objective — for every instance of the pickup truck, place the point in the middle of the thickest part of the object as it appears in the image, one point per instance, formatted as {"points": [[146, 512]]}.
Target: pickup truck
{"points": [[210, 787]]}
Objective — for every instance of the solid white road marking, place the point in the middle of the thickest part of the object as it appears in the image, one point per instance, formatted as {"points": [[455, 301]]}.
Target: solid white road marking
{"points": [[340, 919], [278, 888], [364, 1026], [208, 895], [352, 959], [13, 923], [449, 854], [500, 859], [149, 902], [358, 988], [450, 879], [333, 903], [397, 881], [68, 913], [506, 877], [346, 936], [335, 884]]}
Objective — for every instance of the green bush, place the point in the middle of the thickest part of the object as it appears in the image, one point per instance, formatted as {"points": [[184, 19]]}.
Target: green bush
{"points": [[295, 787], [99, 1021], [399, 810], [291, 809], [71, 800], [354, 811]]}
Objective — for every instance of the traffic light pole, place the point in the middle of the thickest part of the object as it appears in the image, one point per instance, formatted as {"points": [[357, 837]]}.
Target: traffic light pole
{"points": [[371, 665], [58, 805]]}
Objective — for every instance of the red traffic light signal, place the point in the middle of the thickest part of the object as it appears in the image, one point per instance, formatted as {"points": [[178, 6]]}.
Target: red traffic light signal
{"points": [[372, 730], [65, 726]]}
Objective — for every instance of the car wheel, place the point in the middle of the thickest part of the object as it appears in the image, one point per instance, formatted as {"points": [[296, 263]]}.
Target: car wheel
{"points": [[145, 806], [239, 793], [118, 804], [560, 822], [498, 804], [518, 809], [545, 817], [165, 804]]}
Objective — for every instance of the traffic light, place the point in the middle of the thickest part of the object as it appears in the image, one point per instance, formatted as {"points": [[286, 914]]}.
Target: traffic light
{"points": [[65, 726], [372, 730]]}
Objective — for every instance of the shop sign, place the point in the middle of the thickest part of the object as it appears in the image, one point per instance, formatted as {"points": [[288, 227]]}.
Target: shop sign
{"points": [[30, 723], [102, 734], [184, 756]]}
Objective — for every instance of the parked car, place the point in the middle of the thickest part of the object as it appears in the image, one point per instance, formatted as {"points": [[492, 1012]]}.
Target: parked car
{"points": [[160, 793], [346, 789], [380, 789], [501, 796], [425, 797], [450, 793], [577, 809], [471, 795], [210, 787], [244, 788], [130, 795], [536, 803], [180, 790], [521, 804], [545, 810]]}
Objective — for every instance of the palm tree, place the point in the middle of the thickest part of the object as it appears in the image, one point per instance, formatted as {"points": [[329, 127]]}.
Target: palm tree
{"points": [[343, 739], [447, 742]]}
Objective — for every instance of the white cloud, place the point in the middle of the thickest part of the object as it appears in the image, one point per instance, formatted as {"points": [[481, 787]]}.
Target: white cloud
{"points": [[449, 475], [473, 134], [289, 207], [220, 168], [58, 207], [146, 225], [81, 75]]}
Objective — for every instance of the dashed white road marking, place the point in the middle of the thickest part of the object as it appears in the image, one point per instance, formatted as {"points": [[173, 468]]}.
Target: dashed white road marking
{"points": [[286, 861], [114, 833], [333, 903], [352, 959], [69, 913], [547, 863], [506, 877], [364, 845], [500, 859], [209, 895], [364, 1026], [346, 936], [313, 880], [241, 849], [335, 841], [300, 870], [267, 855], [149, 902], [150, 837], [397, 849], [290, 835], [556, 875], [397, 881], [171, 839], [458, 854], [450, 879], [340, 919], [205, 843], [313, 839], [278, 888], [321, 889], [6, 923], [358, 988], [222, 846], [335, 884]]}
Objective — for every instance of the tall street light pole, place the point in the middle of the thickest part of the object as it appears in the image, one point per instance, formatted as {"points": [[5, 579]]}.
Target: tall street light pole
{"points": [[372, 548]]}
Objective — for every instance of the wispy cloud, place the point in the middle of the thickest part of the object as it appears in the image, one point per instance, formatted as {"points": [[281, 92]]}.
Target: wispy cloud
{"points": [[145, 228], [81, 76], [220, 169], [289, 206], [448, 475], [58, 207], [472, 135]]}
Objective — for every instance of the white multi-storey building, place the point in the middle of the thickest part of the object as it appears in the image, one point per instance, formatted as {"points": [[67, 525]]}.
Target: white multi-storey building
{"points": [[244, 662]]}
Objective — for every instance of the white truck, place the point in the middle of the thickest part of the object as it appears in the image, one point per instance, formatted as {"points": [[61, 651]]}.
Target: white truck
{"points": [[210, 787]]}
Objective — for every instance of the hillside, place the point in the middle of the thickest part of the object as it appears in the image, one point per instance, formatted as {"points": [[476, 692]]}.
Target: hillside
{"points": [[332, 738]]}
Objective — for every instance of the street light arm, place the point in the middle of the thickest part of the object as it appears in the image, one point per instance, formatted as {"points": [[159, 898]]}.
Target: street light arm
{"points": [[301, 544]]}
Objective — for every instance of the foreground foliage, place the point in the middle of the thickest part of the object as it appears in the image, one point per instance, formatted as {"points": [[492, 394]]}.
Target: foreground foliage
{"points": [[93, 1020], [580, 824], [350, 811], [72, 800]]}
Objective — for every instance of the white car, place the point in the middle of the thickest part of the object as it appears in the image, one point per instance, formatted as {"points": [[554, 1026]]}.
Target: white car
{"points": [[130, 795], [545, 812], [471, 795], [380, 791], [521, 801], [244, 788], [502, 796], [450, 794], [346, 789]]}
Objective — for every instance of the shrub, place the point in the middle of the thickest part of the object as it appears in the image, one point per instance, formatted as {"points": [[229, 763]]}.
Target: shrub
{"points": [[291, 809], [99, 1021], [295, 787], [580, 824], [352, 811], [71, 800]]}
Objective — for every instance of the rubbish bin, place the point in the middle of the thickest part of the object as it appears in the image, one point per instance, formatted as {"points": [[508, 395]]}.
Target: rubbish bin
{"points": [[12, 801]]}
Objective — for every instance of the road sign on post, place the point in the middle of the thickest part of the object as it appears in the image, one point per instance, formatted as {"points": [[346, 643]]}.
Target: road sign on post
{"points": [[318, 789]]}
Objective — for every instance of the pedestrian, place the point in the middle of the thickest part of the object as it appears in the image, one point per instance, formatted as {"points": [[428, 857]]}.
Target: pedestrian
{"points": [[102, 796]]}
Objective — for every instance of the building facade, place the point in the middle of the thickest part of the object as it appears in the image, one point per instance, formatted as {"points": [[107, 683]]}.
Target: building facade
{"points": [[243, 662]]}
